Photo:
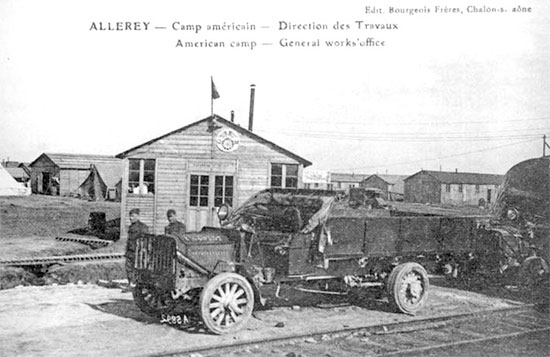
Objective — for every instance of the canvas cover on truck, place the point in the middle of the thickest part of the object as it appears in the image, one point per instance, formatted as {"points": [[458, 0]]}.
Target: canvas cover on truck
{"points": [[526, 187], [283, 210]]}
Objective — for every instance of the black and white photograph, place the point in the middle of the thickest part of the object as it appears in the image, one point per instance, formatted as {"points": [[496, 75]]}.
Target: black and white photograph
{"points": [[275, 178]]}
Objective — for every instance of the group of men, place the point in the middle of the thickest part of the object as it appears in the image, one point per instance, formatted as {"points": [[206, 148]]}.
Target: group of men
{"points": [[138, 228]]}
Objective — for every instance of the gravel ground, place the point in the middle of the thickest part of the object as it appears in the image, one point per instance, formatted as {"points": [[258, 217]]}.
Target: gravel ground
{"points": [[88, 320]]}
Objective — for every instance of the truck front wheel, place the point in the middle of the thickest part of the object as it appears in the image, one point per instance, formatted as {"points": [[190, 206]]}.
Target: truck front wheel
{"points": [[150, 301], [226, 303], [408, 288]]}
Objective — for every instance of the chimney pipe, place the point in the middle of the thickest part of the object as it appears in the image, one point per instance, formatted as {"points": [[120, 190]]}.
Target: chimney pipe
{"points": [[232, 116], [456, 171], [251, 115]]}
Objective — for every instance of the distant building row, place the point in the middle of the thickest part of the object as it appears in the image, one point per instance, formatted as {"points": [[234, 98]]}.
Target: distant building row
{"points": [[197, 168], [437, 187]]}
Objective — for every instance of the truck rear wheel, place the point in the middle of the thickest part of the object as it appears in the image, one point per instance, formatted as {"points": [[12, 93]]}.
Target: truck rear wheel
{"points": [[408, 288], [226, 303]]}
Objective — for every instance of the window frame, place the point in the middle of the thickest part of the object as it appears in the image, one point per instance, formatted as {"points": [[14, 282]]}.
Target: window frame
{"points": [[225, 198], [199, 196], [284, 177], [141, 171]]}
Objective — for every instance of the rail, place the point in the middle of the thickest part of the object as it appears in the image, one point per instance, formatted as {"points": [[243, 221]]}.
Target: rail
{"points": [[399, 337], [62, 259]]}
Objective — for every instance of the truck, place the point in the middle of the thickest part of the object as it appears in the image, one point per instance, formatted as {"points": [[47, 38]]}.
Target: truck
{"points": [[314, 240], [520, 223]]}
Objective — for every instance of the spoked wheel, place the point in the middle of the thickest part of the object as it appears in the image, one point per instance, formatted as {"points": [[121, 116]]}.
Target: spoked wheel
{"points": [[408, 287], [150, 301], [531, 270], [226, 303]]}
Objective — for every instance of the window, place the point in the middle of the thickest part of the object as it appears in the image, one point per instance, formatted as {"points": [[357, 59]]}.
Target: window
{"points": [[460, 187], [141, 176], [448, 187], [330, 186], [477, 188], [223, 190], [198, 195], [307, 186], [284, 175]]}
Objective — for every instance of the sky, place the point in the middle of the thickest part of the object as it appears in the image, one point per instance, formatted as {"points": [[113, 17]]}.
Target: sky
{"points": [[448, 91]]}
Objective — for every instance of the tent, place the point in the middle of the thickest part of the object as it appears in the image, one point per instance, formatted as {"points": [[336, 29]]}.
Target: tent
{"points": [[10, 187], [101, 182]]}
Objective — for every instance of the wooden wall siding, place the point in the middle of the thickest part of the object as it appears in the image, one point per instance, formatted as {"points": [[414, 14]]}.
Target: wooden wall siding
{"points": [[194, 142], [423, 188], [377, 182], [468, 196], [124, 219], [146, 205], [36, 177], [253, 176], [70, 180], [171, 190], [194, 151], [222, 166], [42, 165]]}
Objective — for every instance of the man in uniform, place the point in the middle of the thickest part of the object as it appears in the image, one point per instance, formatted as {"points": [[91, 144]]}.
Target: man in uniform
{"points": [[136, 230], [175, 227]]}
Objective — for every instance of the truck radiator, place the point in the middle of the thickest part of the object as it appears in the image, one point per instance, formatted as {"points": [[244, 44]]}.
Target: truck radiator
{"points": [[156, 254]]}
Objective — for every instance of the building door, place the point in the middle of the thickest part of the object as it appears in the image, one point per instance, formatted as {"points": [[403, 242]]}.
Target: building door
{"points": [[46, 180], [207, 193], [489, 194]]}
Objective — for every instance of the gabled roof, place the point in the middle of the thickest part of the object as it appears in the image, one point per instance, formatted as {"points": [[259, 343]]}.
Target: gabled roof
{"points": [[469, 178], [230, 124], [345, 177], [75, 161], [17, 172], [397, 181], [391, 179]]}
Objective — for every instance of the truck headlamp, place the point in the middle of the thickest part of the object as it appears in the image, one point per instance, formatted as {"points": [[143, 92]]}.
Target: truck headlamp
{"points": [[223, 212]]}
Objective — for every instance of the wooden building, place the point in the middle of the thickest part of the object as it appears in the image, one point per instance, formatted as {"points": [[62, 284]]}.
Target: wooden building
{"points": [[197, 168], [392, 186], [345, 181], [454, 188], [62, 174]]}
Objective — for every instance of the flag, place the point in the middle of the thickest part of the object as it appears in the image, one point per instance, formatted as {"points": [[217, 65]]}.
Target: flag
{"points": [[215, 94]]}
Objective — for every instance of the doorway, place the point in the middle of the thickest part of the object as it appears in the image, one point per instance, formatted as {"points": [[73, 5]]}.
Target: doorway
{"points": [[207, 192]]}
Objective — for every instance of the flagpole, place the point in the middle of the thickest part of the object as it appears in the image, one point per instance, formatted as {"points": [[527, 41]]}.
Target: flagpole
{"points": [[211, 98]]}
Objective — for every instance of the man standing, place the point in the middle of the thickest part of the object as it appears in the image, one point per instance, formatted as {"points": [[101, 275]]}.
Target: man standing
{"points": [[175, 227], [136, 230]]}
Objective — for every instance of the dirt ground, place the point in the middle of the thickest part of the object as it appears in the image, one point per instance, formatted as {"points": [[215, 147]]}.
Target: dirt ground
{"points": [[29, 225], [88, 320]]}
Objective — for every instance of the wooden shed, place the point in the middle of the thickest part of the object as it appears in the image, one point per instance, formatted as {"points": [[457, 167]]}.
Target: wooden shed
{"points": [[454, 188], [62, 174], [197, 168], [392, 186]]}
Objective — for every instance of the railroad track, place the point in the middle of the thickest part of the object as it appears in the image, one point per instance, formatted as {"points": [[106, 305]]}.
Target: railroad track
{"points": [[63, 259], [92, 241], [395, 339]]}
